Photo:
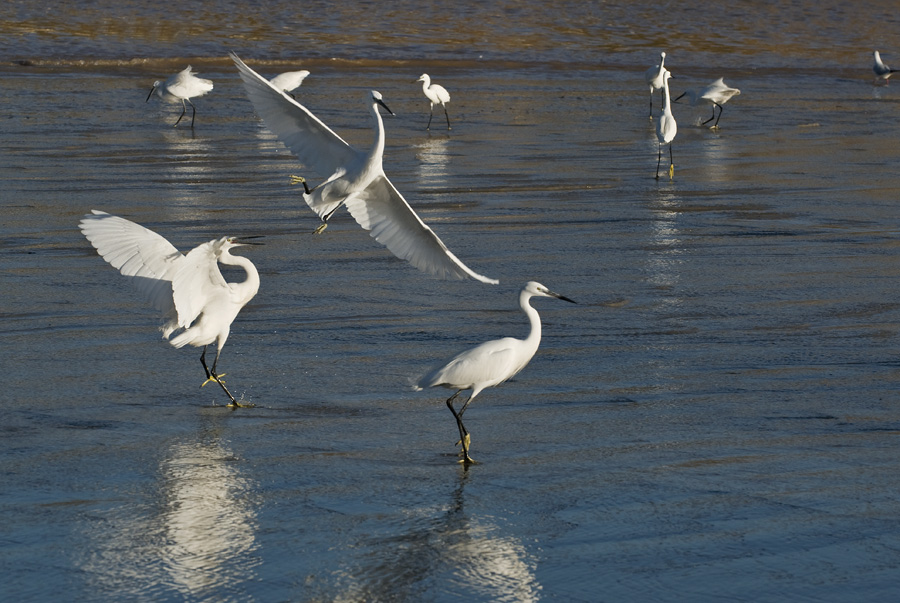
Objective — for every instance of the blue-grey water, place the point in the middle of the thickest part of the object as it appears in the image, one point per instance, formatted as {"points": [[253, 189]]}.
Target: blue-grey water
{"points": [[717, 419]]}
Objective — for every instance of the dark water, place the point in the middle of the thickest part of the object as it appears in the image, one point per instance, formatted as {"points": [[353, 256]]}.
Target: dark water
{"points": [[716, 420]]}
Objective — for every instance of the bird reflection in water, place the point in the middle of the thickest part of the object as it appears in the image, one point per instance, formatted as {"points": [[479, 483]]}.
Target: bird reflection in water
{"points": [[466, 554]]}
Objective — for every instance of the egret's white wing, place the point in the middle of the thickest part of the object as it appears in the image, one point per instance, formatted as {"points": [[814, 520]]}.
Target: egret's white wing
{"points": [[314, 143], [197, 281], [382, 210], [185, 84], [136, 252], [289, 79], [480, 364]]}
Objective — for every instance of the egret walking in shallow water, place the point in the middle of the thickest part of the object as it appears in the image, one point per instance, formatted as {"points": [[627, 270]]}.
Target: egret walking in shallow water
{"points": [[882, 71], [490, 363], [183, 86], [289, 80], [188, 289], [357, 178], [666, 128], [436, 94], [717, 94], [654, 78]]}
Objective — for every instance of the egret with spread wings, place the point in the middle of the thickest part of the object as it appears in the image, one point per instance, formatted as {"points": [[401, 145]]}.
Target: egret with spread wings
{"points": [[357, 178], [189, 289]]}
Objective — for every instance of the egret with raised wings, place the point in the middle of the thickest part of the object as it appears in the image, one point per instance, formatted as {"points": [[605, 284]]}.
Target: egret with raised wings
{"points": [[717, 94], [289, 80], [183, 86], [189, 289], [490, 363], [357, 178]]}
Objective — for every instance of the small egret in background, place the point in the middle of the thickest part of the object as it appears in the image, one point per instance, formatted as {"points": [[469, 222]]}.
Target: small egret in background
{"points": [[882, 71], [654, 77], [357, 178], [666, 128], [182, 86], [436, 94], [188, 289], [289, 80], [716, 94], [490, 363]]}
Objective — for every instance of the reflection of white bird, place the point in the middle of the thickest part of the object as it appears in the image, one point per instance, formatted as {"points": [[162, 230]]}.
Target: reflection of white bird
{"points": [[188, 289], [882, 71], [717, 94], [490, 363], [183, 86], [666, 128], [289, 80], [436, 94], [654, 78], [357, 178]]}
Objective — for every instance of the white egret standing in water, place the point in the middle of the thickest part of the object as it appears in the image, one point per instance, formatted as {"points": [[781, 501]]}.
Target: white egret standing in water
{"points": [[882, 71], [436, 94], [717, 94], [666, 128], [654, 78], [357, 178], [490, 363], [183, 86], [189, 289]]}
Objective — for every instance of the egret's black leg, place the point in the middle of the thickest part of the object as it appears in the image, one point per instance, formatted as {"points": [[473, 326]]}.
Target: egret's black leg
{"points": [[193, 113], [464, 438], [428, 127], [183, 111], [721, 108], [447, 116], [658, 160], [671, 163]]}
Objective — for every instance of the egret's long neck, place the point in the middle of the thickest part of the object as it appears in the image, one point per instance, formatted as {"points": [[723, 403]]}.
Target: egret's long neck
{"points": [[534, 319], [248, 288], [378, 145], [668, 104]]}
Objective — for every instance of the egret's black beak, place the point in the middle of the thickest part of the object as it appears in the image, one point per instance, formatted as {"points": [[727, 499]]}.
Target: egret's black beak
{"points": [[386, 108], [247, 241], [152, 90], [679, 96]]}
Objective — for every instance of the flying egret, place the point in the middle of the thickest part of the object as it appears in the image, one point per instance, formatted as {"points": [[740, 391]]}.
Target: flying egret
{"points": [[289, 80], [666, 128], [183, 86], [490, 363], [357, 178], [882, 71], [188, 289], [654, 77], [716, 94], [436, 94]]}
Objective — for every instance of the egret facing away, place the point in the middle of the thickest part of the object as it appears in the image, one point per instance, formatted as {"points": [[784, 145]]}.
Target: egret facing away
{"points": [[654, 77], [357, 178], [716, 94], [666, 128], [436, 94], [882, 71], [490, 363], [289, 80], [182, 86], [188, 289]]}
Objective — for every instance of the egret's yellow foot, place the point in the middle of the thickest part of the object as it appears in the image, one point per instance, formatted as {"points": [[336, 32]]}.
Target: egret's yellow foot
{"points": [[212, 379], [671, 171], [468, 441], [297, 179], [321, 228], [236, 404]]}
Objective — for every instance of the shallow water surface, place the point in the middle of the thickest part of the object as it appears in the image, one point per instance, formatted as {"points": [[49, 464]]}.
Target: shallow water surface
{"points": [[716, 419]]}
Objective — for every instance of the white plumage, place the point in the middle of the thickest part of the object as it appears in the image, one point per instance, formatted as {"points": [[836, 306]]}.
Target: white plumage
{"points": [[189, 290], [437, 95], [666, 128], [716, 94], [357, 178], [181, 87], [654, 78], [882, 71], [490, 363]]}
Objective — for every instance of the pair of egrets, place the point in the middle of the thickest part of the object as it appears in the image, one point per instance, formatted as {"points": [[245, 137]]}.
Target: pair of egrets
{"points": [[200, 305], [716, 94]]}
